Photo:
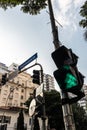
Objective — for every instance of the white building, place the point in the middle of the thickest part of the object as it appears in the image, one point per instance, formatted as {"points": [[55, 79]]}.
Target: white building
{"points": [[48, 82]]}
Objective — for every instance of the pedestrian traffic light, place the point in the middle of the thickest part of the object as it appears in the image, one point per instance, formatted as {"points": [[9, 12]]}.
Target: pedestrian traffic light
{"points": [[36, 76], [4, 79], [67, 79], [67, 75]]}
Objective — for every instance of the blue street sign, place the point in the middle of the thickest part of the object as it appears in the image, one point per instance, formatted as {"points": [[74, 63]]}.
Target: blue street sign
{"points": [[27, 61]]}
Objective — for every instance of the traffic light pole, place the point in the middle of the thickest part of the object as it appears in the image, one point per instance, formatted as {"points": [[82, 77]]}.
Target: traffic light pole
{"points": [[43, 102], [67, 109]]}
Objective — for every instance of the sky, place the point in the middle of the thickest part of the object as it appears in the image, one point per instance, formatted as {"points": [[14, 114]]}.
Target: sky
{"points": [[23, 35]]}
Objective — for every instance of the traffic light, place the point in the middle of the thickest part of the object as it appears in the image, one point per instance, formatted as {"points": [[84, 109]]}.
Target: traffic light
{"points": [[67, 79], [67, 75], [4, 79], [37, 77]]}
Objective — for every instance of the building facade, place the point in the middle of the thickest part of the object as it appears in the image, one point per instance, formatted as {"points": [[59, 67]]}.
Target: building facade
{"points": [[48, 82], [83, 101], [13, 95]]}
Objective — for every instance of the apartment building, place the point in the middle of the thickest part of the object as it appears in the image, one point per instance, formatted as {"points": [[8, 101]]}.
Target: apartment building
{"points": [[48, 82], [13, 95]]}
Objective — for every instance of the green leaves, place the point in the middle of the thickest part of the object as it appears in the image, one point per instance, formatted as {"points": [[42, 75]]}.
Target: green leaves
{"points": [[80, 117], [32, 7], [83, 10], [9, 3], [83, 22]]}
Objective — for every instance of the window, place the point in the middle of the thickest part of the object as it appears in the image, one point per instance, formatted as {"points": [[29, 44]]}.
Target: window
{"points": [[22, 84], [17, 82], [9, 104], [5, 93], [16, 88], [4, 99], [22, 90], [8, 119], [21, 104], [22, 97], [5, 119], [15, 102]]}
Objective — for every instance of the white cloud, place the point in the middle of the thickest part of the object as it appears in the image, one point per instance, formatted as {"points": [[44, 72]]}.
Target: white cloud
{"points": [[78, 3], [64, 5], [67, 12]]}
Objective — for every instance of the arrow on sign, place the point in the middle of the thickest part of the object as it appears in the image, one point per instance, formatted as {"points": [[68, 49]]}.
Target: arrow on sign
{"points": [[27, 61]]}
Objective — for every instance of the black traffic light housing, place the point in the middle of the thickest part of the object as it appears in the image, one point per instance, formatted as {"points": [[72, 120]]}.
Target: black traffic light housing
{"points": [[67, 75], [61, 56], [37, 77], [4, 79], [67, 79]]}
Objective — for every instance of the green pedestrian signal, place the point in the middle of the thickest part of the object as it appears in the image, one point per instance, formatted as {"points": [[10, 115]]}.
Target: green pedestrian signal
{"points": [[66, 77], [70, 81]]}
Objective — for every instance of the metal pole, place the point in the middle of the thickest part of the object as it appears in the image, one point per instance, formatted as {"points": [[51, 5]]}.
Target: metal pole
{"points": [[43, 103], [67, 109]]}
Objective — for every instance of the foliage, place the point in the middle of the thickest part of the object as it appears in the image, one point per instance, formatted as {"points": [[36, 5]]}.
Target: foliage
{"points": [[80, 117], [27, 6], [20, 121], [83, 13], [54, 110], [83, 22]]}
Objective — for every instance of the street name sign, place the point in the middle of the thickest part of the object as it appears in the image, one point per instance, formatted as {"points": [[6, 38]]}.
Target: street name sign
{"points": [[27, 61]]}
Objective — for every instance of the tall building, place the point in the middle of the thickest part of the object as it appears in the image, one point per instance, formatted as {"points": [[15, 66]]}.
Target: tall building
{"points": [[13, 95], [13, 67], [48, 82], [83, 101], [3, 68]]}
